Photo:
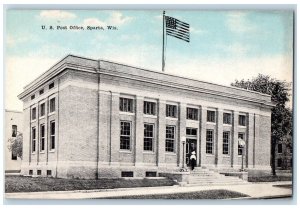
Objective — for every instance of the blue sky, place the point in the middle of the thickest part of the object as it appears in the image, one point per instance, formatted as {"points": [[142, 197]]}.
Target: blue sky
{"points": [[224, 45]]}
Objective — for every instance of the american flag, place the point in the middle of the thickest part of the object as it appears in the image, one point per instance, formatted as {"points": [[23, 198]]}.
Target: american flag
{"points": [[177, 29]]}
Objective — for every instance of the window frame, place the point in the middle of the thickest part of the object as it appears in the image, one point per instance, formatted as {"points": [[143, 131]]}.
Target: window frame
{"points": [[50, 105], [169, 140], [126, 106], [242, 120], [123, 135], [42, 109], [226, 143], [33, 139], [52, 136], [192, 113], [33, 109], [149, 108], [209, 142], [42, 138], [208, 116], [225, 119], [51, 86], [171, 111], [14, 129], [151, 139]]}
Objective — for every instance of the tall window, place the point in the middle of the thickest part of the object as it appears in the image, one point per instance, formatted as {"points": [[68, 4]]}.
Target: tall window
{"points": [[279, 148], [211, 116], [125, 135], [126, 105], [226, 118], [191, 113], [52, 135], [52, 105], [170, 138], [226, 136], [240, 148], [149, 108], [14, 130], [242, 120], [42, 138], [33, 113], [148, 137], [209, 141], [171, 111], [33, 139], [42, 110]]}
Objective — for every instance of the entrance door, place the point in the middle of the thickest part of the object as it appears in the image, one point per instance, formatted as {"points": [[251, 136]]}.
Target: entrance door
{"points": [[191, 145]]}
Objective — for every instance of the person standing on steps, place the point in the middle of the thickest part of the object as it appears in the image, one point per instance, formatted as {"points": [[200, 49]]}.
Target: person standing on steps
{"points": [[193, 159]]}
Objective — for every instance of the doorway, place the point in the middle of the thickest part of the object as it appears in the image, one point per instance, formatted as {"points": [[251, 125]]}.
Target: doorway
{"points": [[191, 145]]}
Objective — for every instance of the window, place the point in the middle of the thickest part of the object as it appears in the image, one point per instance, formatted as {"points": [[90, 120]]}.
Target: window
{"points": [[32, 97], [171, 111], [127, 174], [151, 174], [242, 120], [125, 135], [226, 118], [33, 113], [279, 162], [42, 110], [39, 172], [211, 116], [240, 148], [191, 113], [33, 139], [14, 130], [149, 108], [170, 138], [52, 105], [51, 85], [52, 135], [126, 105], [13, 155], [209, 141], [148, 137], [42, 138], [41, 91], [226, 136], [191, 131], [279, 148], [30, 172], [49, 172]]}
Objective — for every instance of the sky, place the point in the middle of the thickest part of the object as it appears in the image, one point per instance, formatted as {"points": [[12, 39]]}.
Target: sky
{"points": [[224, 45]]}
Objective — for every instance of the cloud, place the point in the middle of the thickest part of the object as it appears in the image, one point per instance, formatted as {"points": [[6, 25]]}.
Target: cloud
{"points": [[194, 30], [235, 49], [237, 22], [56, 14], [12, 41], [115, 19]]}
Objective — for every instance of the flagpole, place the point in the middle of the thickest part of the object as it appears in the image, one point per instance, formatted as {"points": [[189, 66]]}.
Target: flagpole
{"points": [[163, 47]]}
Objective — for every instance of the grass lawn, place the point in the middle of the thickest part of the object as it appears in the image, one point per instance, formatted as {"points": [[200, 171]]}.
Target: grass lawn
{"points": [[269, 178], [29, 184], [209, 194]]}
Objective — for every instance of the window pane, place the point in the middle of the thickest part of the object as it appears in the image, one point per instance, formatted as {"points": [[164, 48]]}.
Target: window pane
{"points": [[171, 111], [211, 116], [209, 141], [125, 135], [227, 118], [192, 113], [52, 105], [14, 131]]}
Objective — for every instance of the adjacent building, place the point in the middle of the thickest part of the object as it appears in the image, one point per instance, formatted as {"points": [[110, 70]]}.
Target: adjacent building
{"points": [[13, 127], [86, 118]]}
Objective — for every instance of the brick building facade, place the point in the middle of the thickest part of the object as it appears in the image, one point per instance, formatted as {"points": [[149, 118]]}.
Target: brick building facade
{"points": [[86, 118]]}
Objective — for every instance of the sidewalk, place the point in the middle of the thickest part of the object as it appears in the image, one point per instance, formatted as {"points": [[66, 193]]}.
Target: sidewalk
{"points": [[254, 190]]}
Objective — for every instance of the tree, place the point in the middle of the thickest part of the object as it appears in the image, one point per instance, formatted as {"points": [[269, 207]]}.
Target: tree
{"points": [[15, 145], [281, 117]]}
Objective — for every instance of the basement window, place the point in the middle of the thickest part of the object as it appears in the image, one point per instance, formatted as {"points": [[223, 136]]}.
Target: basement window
{"points": [[49, 173], [39, 172], [30, 172], [126, 174], [151, 174]]}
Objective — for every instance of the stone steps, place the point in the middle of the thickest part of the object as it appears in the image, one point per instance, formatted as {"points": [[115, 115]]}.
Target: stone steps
{"points": [[205, 177]]}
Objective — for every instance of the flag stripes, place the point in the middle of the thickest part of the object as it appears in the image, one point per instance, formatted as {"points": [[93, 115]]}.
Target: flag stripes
{"points": [[177, 28]]}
